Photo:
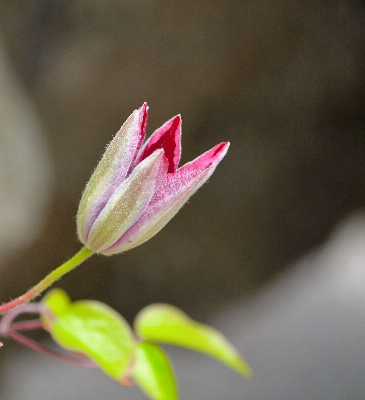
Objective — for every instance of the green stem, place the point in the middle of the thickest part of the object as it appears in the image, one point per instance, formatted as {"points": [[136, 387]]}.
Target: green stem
{"points": [[52, 277]]}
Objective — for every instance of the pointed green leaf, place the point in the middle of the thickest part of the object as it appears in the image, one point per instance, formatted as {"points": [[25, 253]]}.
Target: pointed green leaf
{"points": [[153, 373], [168, 324], [94, 329]]}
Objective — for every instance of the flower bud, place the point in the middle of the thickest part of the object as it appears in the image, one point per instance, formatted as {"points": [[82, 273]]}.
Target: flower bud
{"points": [[137, 188]]}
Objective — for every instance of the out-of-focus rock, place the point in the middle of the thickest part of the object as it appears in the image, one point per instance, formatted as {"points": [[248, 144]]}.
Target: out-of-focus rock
{"points": [[304, 336], [24, 168]]}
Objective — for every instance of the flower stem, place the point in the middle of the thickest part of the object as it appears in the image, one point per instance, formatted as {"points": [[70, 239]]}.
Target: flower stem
{"points": [[52, 277], [43, 349], [7, 321], [30, 325]]}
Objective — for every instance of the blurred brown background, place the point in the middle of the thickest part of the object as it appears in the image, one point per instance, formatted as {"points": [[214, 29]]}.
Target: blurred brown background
{"points": [[283, 81]]}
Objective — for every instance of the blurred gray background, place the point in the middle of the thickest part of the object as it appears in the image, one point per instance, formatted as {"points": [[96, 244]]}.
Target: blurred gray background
{"points": [[282, 81]]}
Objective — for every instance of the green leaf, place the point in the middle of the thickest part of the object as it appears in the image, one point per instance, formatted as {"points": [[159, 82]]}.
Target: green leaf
{"points": [[91, 328], [153, 373], [168, 324], [57, 301]]}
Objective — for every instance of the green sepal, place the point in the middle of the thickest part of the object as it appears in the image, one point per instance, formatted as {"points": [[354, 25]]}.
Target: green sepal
{"points": [[153, 373], [91, 328], [167, 324]]}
